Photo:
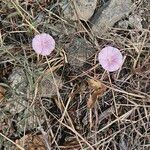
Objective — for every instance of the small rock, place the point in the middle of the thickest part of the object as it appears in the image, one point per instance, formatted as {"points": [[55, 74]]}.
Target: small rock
{"points": [[135, 21], [79, 9], [48, 87], [29, 118], [116, 10], [123, 24], [78, 52], [18, 82], [16, 104]]}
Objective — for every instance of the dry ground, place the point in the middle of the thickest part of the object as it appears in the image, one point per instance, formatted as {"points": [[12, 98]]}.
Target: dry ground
{"points": [[31, 119]]}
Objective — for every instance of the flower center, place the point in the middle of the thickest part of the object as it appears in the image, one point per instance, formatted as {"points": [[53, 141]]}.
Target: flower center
{"points": [[111, 60]]}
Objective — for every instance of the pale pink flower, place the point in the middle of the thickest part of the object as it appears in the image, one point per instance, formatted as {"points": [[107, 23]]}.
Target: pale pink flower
{"points": [[43, 44], [110, 58]]}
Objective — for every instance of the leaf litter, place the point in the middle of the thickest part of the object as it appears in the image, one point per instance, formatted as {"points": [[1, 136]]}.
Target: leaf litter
{"points": [[128, 129]]}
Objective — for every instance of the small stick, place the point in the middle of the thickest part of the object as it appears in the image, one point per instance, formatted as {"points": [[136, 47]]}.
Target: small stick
{"points": [[90, 118]]}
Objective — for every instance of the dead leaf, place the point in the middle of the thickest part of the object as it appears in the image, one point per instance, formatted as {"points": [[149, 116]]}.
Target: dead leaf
{"points": [[32, 142], [2, 92], [98, 89]]}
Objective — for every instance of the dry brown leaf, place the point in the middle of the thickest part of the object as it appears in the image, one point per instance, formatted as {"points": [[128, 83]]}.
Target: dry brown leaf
{"points": [[95, 84], [2, 92], [32, 142], [98, 89]]}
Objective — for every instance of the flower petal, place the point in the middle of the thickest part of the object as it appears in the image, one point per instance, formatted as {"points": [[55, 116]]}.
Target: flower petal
{"points": [[43, 44], [110, 58]]}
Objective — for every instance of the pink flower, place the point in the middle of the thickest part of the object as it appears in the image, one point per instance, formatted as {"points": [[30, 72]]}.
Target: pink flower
{"points": [[43, 44], [110, 58]]}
